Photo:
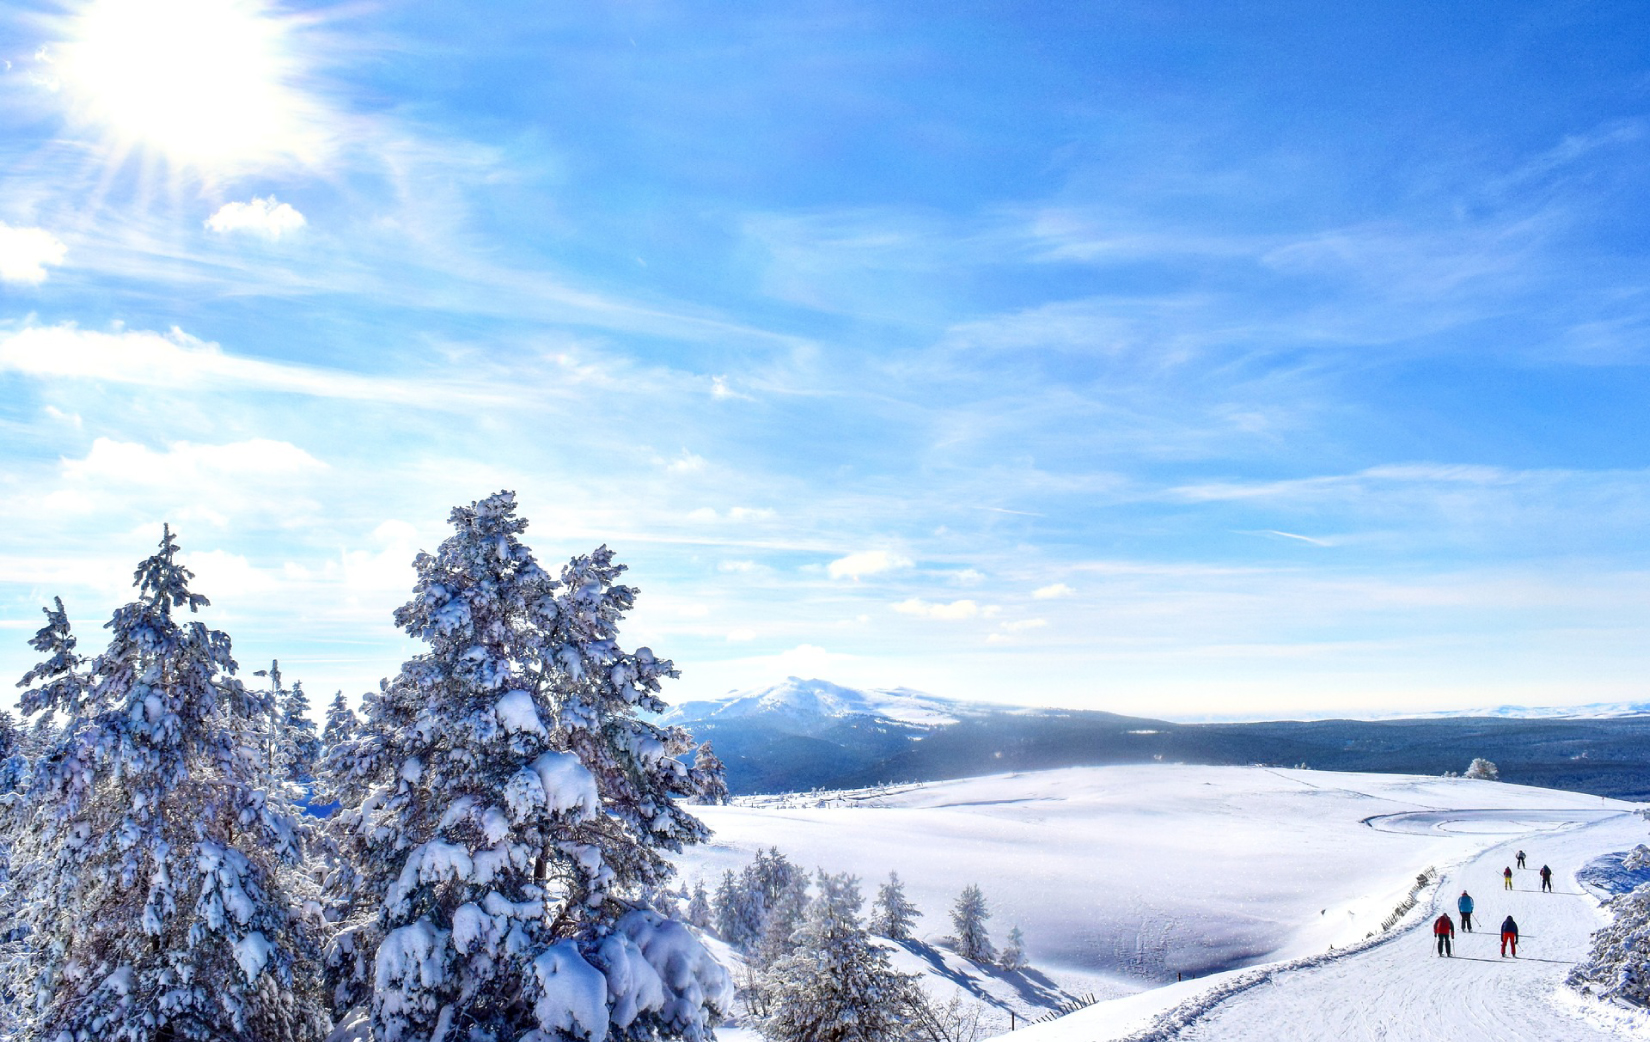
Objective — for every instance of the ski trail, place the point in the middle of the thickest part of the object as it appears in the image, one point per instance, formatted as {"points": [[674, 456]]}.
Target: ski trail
{"points": [[1400, 991]]}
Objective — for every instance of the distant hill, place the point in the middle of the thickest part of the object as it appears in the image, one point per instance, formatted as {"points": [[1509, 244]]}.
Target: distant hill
{"points": [[806, 734]]}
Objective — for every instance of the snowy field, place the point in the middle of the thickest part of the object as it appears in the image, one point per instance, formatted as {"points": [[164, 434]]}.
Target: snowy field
{"points": [[1124, 877]]}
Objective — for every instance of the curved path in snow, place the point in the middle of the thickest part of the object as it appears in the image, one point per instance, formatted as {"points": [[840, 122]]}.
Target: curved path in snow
{"points": [[1399, 991]]}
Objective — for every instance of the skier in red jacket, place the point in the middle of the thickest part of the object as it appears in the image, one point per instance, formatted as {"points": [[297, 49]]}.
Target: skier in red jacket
{"points": [[1443, 928]]}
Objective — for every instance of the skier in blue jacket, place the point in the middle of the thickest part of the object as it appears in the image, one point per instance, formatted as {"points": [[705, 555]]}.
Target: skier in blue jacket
{"points": [[1464, 906]]}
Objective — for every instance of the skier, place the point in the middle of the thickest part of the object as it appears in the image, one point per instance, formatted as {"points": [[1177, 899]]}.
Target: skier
{"points": [[1506, 876], [1546, 879], [1520, 859], [1443, 928], [1509, 935], [1464, 906]]}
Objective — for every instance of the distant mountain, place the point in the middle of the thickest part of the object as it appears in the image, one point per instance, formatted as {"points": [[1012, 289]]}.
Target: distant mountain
{"points": [[807, 734], [801, 706]]}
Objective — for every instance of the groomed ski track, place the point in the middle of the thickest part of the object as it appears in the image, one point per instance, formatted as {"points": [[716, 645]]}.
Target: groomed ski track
{"points": [[1396, 989]]}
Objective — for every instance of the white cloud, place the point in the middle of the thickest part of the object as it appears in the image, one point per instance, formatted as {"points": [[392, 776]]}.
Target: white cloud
{"points": [[866, 562], [177, 361], [741, 635], [111, 460], [742, 567], [1053, 590], [25, 252], [266, 217], [964, 609], [1022, 625], [967, 577], [218, 573]]}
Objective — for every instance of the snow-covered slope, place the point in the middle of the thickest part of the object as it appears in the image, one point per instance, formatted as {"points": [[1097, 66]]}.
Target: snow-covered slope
{"points": [[1122, 877], [803, 704]]}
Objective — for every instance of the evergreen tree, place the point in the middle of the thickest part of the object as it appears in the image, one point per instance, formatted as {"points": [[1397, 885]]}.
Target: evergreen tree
{"points": [[13, 764], [298, 733], [513, 810], [737, 921], [341, 723], [838, 985], [892, 914], [780, 924], [710, 781], [148, 872], [698, 910], [1013, 956], [968, 916]]}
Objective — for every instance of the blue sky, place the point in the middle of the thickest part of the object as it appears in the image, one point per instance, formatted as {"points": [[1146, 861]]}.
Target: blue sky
{"points": [[1163, 358]]}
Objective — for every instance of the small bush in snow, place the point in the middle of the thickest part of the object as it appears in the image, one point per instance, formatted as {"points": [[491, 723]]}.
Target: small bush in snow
{"points": [[1482, 770], [1014, 953], [1619, 966]]}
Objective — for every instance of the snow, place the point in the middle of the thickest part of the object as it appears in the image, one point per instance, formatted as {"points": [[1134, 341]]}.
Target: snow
{"points": [[516, 712], [568, 784], [1121, 877], [572, 994], [252, 954]]}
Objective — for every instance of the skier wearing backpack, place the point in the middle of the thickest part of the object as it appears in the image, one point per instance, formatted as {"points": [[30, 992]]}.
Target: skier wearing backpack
{"points": [[1443, 928], [1546, 879], [1506, 876], [1509, 935], [1464, 906]]}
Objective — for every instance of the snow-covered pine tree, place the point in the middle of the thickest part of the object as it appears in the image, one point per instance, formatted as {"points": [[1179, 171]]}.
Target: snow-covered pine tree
{"points": [[737, 921], [1013, 955], [968, 916], [298, 733], [1483, 770], [779, 926], [698, 909], [341, 723], [838, 985], [13, 764], [148, 871], [892, 914], [513, 810], [710, 777]]}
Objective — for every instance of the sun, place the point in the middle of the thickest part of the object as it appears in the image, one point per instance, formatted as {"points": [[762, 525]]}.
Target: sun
{"points": [[204, 83]]}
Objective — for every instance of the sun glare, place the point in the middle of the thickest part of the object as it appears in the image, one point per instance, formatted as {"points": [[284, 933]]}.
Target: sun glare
{"points": [[205, 83]]}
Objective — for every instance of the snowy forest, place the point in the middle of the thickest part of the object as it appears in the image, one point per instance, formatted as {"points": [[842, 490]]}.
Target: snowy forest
{"points": [[482, 853]]}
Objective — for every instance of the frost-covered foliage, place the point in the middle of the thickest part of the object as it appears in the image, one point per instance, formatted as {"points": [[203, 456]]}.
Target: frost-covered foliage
{"points": [[892, 913], [1618, 967], [1013, 955], [968, 917], [341, 724], [147, 873], [1483, 770], [837, 985], [784, 916], [298, 733], [698, 909], [745, 904], [506, 809], [710, 777]]}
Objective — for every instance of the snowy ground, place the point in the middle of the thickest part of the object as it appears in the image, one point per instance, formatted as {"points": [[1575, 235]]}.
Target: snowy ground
{"points": [[1123, 876]]}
